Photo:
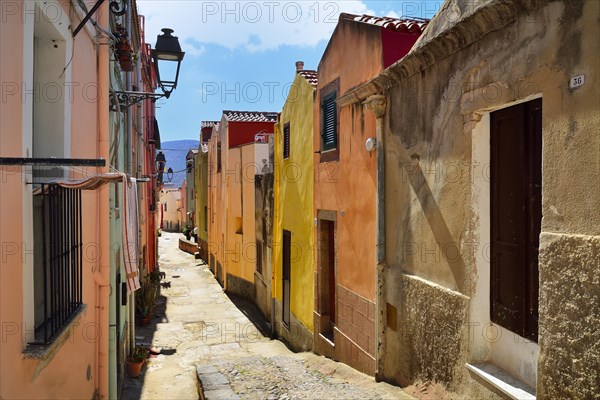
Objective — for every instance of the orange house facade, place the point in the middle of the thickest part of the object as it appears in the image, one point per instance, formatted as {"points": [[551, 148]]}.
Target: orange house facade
{"points": [[238, 149], [345, 186]]}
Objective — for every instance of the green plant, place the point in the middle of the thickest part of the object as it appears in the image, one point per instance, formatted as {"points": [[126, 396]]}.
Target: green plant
{"points": [[145, 296], [139, 354]]}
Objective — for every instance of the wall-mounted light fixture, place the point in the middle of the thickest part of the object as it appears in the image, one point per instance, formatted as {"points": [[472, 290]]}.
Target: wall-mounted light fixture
{"points": [[371, 144], [166, 52], [161, 161]]}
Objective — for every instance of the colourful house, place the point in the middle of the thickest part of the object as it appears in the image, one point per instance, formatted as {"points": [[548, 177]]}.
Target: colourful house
{"points": [[345, 185], [492, 224], [239, 153], [190, 189], [201, 184], [293, 236]]}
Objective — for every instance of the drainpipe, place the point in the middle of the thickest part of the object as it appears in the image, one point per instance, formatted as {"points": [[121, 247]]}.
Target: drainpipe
{"points": [[377, 104], [128, 86], [101, 275]]}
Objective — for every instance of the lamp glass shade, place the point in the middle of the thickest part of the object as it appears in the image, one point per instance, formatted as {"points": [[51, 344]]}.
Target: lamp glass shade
{"points": [[167, 56]]}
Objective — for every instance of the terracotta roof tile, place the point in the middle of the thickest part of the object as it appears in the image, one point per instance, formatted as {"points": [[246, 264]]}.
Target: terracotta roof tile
{"points": [[310, 76], [402, 24], [250, 116], [209, 124]]}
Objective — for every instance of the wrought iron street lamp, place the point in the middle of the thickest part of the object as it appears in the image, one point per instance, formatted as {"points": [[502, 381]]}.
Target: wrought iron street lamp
{"points": [[167, 51], [160, 165]]}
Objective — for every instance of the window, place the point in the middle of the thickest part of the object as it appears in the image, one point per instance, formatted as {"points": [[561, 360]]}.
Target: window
{"points": [[205, 219], [286, 141], [328, 122], [218, 157], [57, 260], [165, 204], [56, 212], [259, 257], [516, 189]]}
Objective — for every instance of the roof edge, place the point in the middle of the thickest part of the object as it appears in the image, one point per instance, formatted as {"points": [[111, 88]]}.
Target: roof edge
{"points": [[489, 17]]}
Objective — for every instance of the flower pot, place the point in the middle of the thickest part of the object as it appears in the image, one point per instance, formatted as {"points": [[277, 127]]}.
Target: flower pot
{"points": [[145, 320], [134, 368]]}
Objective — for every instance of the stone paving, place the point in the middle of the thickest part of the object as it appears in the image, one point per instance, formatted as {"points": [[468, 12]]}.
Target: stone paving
{"points": [[207, 337]]}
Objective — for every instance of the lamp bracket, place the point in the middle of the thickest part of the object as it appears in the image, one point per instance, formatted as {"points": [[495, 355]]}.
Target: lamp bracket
{"points": [[127, 99], [117, 7]]}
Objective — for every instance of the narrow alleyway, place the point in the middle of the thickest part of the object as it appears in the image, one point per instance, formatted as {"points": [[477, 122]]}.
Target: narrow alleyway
{"points": [[203, 333]]}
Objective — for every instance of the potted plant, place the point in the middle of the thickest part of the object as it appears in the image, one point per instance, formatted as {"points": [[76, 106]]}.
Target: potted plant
{"points": [[187, 231], [145, 298], [123, 49], [135, 362]]}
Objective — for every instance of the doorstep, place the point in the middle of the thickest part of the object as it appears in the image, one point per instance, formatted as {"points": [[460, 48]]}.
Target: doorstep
{"points": [[500, 381]]}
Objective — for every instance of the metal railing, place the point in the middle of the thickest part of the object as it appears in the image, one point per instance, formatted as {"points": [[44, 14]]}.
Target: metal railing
{"points": [[59, 259]]}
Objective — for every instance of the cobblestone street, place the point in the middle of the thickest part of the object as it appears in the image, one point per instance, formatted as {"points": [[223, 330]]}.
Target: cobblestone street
{"points": [[204, 336]]}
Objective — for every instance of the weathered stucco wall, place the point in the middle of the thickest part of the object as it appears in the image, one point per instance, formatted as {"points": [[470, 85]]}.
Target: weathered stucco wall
{"points": [[438, 99], [570, 300], [347, 187]]}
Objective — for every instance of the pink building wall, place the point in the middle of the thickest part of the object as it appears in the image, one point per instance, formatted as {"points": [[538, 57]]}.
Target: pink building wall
{"points": [[75, 366]]}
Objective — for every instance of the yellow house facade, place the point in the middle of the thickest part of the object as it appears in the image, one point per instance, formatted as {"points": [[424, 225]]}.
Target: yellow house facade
{"points": [[293, 237]]}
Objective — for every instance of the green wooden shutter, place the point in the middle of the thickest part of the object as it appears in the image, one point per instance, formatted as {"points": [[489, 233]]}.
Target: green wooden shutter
{"points": [[329, 122]]}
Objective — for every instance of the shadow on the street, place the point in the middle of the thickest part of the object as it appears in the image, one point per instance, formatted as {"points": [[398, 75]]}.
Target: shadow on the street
{"points": [[132, 387], [252, 312]]}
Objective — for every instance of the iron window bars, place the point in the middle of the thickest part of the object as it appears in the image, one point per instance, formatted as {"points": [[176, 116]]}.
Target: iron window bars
{"points": [[59, 259]]}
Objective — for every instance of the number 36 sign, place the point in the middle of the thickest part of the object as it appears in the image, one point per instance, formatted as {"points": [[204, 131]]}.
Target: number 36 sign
{"points": [[576, 81]]}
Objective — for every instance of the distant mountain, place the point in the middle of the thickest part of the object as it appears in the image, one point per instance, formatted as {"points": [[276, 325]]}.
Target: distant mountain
{"points": [[175, 152]]}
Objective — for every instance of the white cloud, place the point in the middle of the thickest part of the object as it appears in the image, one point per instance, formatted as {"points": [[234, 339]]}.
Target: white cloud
{"points": [[254, 25]]}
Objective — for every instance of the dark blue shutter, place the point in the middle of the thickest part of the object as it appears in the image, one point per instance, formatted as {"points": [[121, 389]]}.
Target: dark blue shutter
{"points": [[329, 122]]}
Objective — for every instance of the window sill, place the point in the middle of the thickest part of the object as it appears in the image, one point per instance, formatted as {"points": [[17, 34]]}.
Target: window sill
{"points": [[329, 155], [499, 381], [46, 352]]}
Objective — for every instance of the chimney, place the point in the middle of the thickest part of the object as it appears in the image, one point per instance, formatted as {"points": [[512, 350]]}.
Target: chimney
{"points": [[299, 66]]}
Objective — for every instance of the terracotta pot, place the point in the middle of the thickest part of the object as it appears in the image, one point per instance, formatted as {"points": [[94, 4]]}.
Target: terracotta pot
{"points": [[145, 320], [134, 368]]}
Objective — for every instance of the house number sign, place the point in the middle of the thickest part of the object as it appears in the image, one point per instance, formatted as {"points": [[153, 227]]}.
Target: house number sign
{"points": [[576, 81]]}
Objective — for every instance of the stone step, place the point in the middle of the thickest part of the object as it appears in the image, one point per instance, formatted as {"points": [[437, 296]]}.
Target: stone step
{"points": [[213, 385]]}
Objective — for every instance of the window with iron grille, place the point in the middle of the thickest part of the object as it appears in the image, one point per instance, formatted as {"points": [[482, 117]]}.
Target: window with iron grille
{"points": [[57, 259], [328, 122], [286, 141]]}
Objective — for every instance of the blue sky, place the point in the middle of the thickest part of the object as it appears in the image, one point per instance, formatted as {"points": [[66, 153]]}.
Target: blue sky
{"points": [[240, 55]]}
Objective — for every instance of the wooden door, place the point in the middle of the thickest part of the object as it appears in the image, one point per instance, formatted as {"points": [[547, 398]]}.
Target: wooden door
{"points": [[516, 155], [286, 272]]}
